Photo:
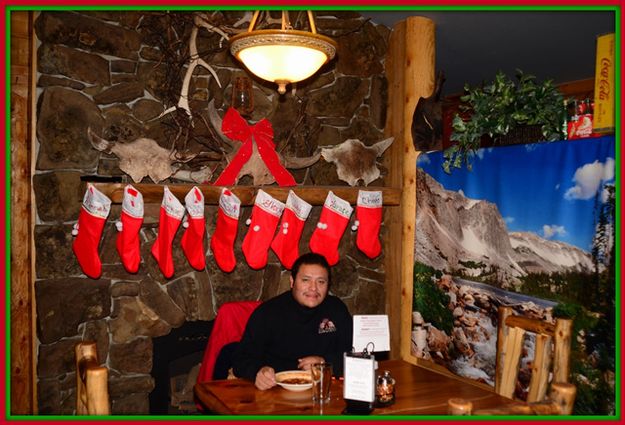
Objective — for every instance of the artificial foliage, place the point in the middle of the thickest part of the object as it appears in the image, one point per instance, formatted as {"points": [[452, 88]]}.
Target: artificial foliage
{"points": [[496, 108]]}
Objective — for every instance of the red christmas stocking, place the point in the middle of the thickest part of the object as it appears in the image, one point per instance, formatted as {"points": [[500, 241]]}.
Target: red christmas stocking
{"points": [[265, 216], [128, 227], [193, 238], [330, 228], [222, 242], [286, 242], [88, 231], [368, 222], [170, 217]]}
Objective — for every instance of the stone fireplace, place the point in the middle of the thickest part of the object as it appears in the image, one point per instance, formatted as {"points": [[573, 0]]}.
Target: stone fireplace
{"points": [[111, 72], [175, 365]]}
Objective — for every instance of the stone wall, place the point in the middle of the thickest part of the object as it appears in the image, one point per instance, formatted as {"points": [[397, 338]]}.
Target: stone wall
{"points": [[115, 72]]}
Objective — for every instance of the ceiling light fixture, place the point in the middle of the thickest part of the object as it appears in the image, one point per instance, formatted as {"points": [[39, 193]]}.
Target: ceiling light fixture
{"points": [[283, 56]]}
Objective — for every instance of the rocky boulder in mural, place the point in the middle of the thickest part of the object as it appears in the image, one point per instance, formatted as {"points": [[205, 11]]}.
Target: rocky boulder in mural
{"points": [[471, 348]]}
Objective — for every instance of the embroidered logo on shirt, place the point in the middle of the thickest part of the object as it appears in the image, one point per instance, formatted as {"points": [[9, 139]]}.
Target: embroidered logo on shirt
{"points": [[326, 326]]}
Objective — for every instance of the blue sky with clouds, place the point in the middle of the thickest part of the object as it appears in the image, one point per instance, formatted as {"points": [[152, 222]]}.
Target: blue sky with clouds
{"points": [[545, 188]]}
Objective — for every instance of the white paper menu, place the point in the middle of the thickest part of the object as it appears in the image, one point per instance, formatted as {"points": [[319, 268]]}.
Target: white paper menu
{"points": [[371, 329]]}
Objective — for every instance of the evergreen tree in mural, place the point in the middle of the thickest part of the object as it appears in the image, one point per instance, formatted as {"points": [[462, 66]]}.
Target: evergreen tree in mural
{"points": [[593, 312], [603, 243], [600, 347]]}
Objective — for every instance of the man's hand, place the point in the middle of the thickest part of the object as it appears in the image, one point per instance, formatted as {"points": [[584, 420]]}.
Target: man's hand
{"points": [[265, 378], [305, 362]]}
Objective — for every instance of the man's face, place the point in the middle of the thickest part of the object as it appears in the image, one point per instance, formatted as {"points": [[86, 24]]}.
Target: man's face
{"points": [[310, 286]]}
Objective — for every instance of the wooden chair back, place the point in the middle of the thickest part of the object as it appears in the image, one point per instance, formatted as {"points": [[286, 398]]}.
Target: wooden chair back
{"points": [[560, 402], [92, 396], [510, 335]]}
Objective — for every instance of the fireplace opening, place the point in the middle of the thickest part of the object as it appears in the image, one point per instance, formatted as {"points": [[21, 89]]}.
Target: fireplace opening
{"points": [[175, 365]]}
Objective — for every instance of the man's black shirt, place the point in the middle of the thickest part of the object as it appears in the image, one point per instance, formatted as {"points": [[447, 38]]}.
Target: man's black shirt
{"points": [[281, 331]]}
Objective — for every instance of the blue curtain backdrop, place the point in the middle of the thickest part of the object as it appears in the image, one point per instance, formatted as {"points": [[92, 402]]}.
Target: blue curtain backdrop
{"points": [[545, 188], [531, 226]]}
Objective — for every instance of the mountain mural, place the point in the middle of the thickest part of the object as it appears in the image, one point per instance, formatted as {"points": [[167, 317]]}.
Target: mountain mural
{"points": [[525, 228], [535, 254], [455, 233]]}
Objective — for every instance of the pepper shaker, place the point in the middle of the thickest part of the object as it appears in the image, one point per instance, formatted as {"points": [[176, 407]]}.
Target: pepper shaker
{"points": [[385, 389]]}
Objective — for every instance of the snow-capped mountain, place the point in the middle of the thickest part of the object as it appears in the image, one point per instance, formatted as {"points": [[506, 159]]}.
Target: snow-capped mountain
{"points": [[536, 254], [453, 232]]}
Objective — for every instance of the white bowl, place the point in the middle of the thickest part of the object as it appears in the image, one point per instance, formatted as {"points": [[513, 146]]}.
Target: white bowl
{"points": [[294, 374]]}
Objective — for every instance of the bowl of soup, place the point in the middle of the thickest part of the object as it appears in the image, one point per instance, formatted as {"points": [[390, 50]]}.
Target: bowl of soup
{"points": [[294, 380]]}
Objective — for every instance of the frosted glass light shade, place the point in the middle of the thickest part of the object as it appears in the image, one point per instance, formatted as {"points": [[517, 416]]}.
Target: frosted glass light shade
{"points": [[282, 56]]}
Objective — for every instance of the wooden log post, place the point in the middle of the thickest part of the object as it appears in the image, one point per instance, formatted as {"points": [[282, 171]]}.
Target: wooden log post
{"points": [[502, 332], [410, 65], [513, 345], [23, 385], [92, 397], [563, 395], [541, 365], [562, 350]]}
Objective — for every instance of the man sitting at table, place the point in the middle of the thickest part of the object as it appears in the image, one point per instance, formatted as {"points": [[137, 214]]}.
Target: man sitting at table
{"points": [[297, 328]]}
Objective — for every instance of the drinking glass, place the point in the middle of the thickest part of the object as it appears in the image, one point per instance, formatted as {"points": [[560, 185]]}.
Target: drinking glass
{"points": [[321, 374]]}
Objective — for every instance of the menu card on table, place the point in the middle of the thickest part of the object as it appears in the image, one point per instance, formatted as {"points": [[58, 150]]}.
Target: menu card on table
{"points": [[371, 332], [359, 383]]}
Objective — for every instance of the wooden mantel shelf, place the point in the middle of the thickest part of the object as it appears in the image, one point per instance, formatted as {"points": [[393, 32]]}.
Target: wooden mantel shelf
{"points": [[315, 195]]}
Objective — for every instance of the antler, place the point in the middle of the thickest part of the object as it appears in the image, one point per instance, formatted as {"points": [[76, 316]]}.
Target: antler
{"points": [[195, 60]]}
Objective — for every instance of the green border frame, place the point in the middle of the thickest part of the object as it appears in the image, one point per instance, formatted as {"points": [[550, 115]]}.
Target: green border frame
{"points": [[416, 8]]}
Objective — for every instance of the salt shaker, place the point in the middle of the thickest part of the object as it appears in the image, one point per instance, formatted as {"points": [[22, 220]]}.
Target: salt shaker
{"points": [[385, 389]]}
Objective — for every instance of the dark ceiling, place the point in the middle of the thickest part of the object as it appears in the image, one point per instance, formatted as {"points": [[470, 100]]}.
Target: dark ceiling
{"points": [[471, 46]]}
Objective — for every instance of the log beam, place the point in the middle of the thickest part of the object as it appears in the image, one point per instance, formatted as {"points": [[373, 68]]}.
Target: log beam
{"points": [[315, 195], [410, 74], [23, 393]]}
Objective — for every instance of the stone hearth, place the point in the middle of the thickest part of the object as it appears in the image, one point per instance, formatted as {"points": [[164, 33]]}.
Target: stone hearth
{"points": [[107, 70]]}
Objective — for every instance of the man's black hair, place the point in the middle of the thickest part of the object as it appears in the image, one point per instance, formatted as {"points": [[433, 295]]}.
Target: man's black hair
{"points": [[311, 258]]}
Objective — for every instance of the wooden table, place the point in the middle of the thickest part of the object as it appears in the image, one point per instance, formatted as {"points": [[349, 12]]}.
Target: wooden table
{"points": [[418, 391]]}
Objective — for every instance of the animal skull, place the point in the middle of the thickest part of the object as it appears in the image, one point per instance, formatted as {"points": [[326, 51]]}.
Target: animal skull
{"points": [[140, 158], [354, 161]]}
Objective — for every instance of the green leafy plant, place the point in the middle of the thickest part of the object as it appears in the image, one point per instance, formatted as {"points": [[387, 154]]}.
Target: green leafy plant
{"points": [[429, 299], [495, 108]]}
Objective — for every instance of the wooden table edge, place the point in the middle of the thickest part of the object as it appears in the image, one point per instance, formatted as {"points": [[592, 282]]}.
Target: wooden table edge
{"points": [[214, 405]]}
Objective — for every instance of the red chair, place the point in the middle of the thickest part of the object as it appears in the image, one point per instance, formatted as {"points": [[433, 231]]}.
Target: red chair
{"points": [[229, 327]]}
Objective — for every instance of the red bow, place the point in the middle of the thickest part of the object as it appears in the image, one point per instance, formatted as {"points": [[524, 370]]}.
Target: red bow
{"points": [[236, 128]]}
